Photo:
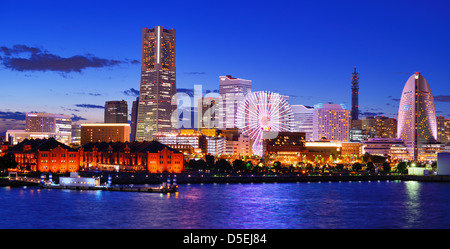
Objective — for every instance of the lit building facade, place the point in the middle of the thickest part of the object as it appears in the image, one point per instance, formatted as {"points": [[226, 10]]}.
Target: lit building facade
{"points": [[49, 155], [76, 134], [288, 148], [157, 106], [47, 122], [332, 122], [443, 129], [303, 120], [237, 143], [17, 136], [105, 133], [215, 145], [44, 155], [153, 157], [232, 92], [416, 115], [116, 112], [380, 126], [335, 149], [208, 113], [429, 151], [45, 125], [381, 146], [196, 140], [399, 152]]}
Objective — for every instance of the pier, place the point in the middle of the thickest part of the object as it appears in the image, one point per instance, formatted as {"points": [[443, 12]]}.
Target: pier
{"points": [[129, 182]]}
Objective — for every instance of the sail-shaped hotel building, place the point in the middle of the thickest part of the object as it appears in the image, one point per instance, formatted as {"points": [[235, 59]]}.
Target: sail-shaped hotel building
{"points": [[416, 115]]}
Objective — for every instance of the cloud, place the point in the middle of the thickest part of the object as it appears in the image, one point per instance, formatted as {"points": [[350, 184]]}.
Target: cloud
{"points": [[371, 114], [442, 98], [70, 109], [194, 73], [393, 99], [11, 121], [17, 49], [12, 115], [406, 73], [76, 118], [133, 61], [189, 92], [90, 106], [131, 92], [213, 91], [36, 59]]}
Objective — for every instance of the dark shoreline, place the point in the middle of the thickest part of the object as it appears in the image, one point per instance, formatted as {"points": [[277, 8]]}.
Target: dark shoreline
{"points": [[123, 178]]}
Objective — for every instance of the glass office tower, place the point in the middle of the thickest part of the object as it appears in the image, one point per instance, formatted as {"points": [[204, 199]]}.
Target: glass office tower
{"points": [[157, 109], [116, 112]]}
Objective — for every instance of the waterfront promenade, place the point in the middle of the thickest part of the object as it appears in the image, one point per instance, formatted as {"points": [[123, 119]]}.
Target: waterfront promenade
{"points": [[123, 178]]}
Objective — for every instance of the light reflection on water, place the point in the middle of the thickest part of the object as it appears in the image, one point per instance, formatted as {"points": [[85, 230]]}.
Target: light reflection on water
{"points": [[376, 204]]}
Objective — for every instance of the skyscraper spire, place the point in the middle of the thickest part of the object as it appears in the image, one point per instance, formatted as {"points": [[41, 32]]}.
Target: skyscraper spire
{"points": [[355, 93]]}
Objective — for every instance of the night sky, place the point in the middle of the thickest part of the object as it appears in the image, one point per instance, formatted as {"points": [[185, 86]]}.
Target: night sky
{"points": [[69, 57]]}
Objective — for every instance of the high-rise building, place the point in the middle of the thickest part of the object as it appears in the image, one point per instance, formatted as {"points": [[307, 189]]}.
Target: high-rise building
{"points": [[303, 120], [116, 112], [416, 115], [208, 113], [332, 122], [76, 134], [47, 122], [380, 127], [46, 125], [232, 92], [355, 94], [157, 104], [443, 129], [134, 113]]}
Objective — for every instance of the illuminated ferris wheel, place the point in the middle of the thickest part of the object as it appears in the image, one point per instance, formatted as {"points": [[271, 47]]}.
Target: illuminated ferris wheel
{"points": [[262, 113]]}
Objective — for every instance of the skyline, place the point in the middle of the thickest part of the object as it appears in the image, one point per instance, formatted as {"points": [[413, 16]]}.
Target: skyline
{"points": [[301, 52]]}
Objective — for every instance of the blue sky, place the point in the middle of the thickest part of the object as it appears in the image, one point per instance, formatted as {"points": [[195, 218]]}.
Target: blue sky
{"points": [[304, 49]]}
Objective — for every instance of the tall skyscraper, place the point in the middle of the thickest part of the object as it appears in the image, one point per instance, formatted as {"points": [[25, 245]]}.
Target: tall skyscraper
{"points": [[157, 104], [416, 115], [355, 94], [134, 113], [116, 112], [331, 121], [232, 92]]}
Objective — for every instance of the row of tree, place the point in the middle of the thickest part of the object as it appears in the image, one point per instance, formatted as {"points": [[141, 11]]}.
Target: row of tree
{"points": [[242, 166]]}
